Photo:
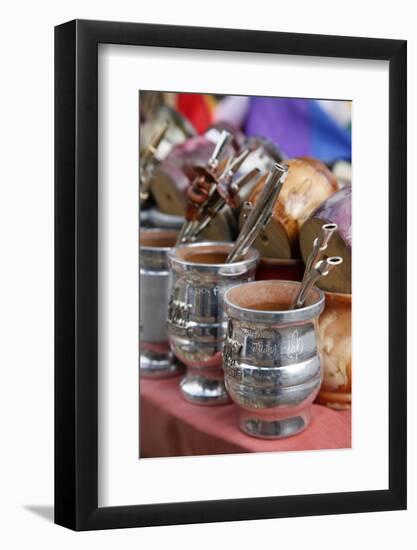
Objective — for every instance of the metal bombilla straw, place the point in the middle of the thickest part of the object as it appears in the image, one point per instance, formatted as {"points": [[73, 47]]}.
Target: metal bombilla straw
{"points": [[214, 160], [220, 202], [148, 162], [260, 214], [212, 165], [218, 199], [214, 201], [321, 269], [319, 246]]}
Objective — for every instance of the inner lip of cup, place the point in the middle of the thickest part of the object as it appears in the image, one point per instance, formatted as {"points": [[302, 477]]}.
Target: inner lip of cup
{"points": [[211, 257], [268, 296], [207, 254]]}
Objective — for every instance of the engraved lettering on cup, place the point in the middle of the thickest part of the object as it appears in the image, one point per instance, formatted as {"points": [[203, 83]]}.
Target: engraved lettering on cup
{"points": [[265, 345]]}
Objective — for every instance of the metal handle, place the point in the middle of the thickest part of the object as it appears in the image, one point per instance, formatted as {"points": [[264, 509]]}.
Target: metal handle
{"points": [[225, 137]]}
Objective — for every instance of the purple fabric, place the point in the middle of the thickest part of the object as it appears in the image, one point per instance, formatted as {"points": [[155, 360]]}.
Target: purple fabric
{"points": [[286, 122], [299, 127]]}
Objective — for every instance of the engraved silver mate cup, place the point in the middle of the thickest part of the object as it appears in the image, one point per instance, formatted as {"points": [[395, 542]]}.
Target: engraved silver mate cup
{"points": [[271, 359], [156, 358], [196, 322]]}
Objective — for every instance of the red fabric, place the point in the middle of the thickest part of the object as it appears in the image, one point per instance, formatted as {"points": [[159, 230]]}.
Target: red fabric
{"points": [[195, 108], [171, 427]]}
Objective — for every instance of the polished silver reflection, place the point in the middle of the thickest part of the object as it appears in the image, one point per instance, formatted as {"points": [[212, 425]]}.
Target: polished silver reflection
{"points": [[156, 358], [260, 213], [270, 360], [320, 245], [196, 322], [321, 269], [148, 162]]}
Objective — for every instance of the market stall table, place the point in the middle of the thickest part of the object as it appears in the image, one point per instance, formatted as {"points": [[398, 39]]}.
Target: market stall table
{"points": [[169, 426]]}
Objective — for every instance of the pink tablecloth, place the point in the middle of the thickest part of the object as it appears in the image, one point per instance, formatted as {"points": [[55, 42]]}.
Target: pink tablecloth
{"points": [[171, 427]]}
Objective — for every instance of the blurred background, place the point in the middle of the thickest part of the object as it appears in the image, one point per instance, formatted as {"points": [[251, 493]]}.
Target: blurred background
{"points": [[299, 127]]}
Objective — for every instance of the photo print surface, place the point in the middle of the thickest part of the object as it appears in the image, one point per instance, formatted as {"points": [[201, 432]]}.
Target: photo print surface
{"points": [[245, 274]]}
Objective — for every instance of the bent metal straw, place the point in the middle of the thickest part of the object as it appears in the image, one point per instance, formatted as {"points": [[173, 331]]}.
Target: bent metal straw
{"points": [[214, 205], [321, 269], [259, 214], [202, 187], [319, 246]]}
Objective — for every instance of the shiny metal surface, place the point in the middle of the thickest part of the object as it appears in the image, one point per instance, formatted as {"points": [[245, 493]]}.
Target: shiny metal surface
{"points": [[156, 359], [271, 359], [320, 245], [148, 162], [218, 204], [260, 214], [208, 176], [223, 193], [196, 322], [321, 269], [179, 129], [224, 139]]}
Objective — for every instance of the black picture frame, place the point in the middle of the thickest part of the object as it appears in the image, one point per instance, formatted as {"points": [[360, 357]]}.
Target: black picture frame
{"points": [[76, 272]]}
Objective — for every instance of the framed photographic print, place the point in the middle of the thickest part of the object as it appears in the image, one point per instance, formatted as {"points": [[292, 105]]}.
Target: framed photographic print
{"points": [[230, 252]]}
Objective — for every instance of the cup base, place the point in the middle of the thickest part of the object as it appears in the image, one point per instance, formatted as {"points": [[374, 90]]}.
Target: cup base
{"points": [[200, 390], [274, 428], [155, 365]]}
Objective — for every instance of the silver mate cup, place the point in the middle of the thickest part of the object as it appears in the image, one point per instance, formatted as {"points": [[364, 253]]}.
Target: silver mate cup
{"points": [[196, 321], [271, 359], [156, 358]]}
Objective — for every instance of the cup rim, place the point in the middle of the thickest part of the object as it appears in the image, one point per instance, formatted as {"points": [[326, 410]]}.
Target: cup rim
{"points": [[163, 232], [290, 316], [252, 256]]}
